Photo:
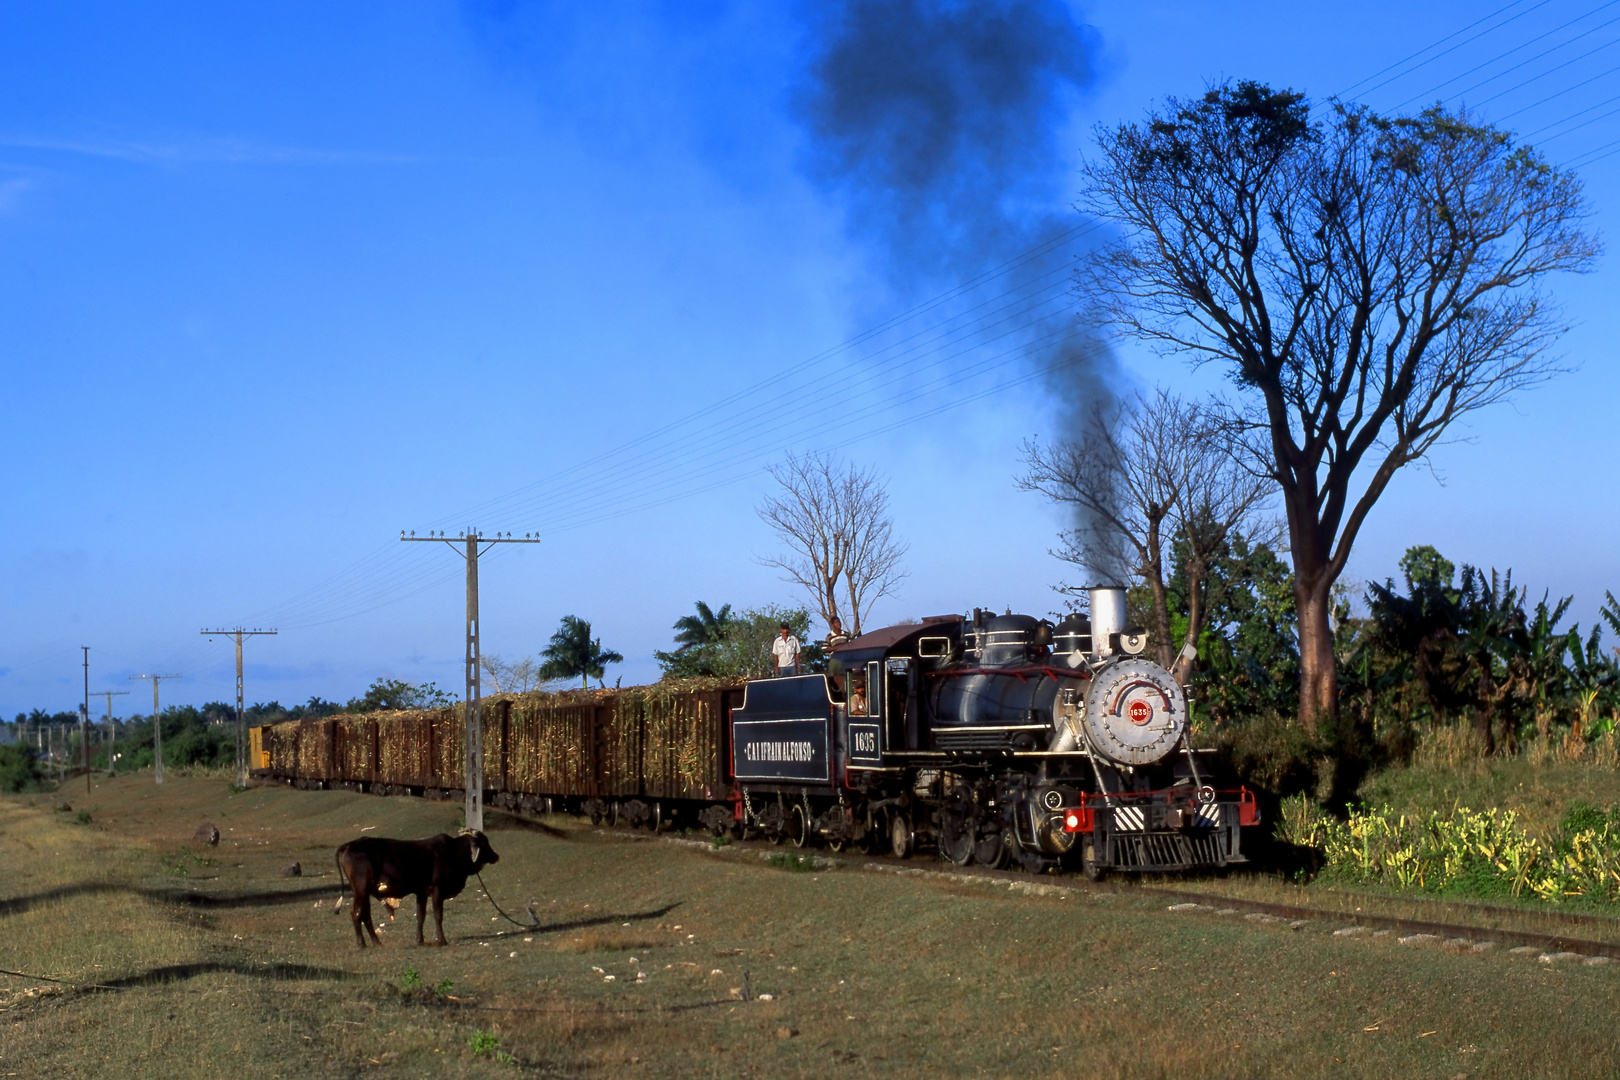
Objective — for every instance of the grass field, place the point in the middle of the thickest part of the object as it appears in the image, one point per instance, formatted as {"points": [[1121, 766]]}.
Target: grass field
{"points": [[206, 963]]}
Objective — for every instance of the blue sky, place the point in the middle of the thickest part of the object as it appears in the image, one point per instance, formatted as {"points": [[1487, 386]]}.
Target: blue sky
{"points": [[277, 281]]}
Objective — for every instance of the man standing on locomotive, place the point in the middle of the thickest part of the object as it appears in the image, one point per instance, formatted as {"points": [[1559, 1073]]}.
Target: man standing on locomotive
{"points": [[785, 653]]}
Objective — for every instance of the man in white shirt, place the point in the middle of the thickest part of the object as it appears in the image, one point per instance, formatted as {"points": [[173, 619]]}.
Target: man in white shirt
{"points": [[785, 652]]}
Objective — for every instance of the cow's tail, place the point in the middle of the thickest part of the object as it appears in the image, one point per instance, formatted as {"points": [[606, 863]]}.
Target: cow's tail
{"points": [[343, 879]]}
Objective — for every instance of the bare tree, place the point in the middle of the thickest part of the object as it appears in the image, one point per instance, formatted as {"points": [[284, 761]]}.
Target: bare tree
{"points": [[1124, 478], [1364, 281], [834, 519], [1158, 472], [509, 678]]}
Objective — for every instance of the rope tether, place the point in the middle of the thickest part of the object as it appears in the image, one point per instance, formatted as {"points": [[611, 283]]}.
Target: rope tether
{"points": [[532, 924]]}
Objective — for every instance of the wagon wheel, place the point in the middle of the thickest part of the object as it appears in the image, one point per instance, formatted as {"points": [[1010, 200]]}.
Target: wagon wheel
{"points": [[799, 830], [989, 848], [835, 844], [902, 842], [656, 820]]}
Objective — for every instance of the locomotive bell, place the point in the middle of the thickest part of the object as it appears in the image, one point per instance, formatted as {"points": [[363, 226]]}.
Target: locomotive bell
{"points": [[1135, 712]]}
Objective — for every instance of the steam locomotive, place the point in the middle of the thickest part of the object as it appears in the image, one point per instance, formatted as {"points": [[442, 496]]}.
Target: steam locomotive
{"points": [[995, 739], [990, 738]]}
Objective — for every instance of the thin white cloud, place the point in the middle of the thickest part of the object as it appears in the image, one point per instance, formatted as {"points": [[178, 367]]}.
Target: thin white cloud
{"points": [[202, 151], [12, 191]]}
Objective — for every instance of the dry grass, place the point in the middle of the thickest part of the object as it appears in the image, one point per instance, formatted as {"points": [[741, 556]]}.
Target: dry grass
{"points": [[869, 975]]}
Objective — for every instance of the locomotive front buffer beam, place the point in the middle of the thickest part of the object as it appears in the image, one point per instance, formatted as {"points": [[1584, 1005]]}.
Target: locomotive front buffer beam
{"points": [[1162, 831]]}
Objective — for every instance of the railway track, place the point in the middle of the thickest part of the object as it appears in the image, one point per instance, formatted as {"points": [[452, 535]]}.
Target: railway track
{"points": [[1565, 943]]}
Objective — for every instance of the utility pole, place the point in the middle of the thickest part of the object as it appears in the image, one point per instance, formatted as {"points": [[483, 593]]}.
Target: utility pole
{"points": [[84, 721], [112, 734], [157, 722], [473, 711], [241, 731]]}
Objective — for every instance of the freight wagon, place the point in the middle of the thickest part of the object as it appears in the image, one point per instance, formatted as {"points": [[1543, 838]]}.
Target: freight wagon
{"points": [[642, 755]]}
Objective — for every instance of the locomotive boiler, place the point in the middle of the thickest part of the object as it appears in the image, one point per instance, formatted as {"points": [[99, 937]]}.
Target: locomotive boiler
{"points": [[995, 738]]}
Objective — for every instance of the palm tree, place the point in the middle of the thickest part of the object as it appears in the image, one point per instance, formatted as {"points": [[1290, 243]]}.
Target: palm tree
{"points": [[705, 628], [573, 652]]}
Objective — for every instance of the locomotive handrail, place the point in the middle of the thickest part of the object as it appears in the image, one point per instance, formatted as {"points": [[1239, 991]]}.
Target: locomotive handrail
{"points": [[1022, 674]]}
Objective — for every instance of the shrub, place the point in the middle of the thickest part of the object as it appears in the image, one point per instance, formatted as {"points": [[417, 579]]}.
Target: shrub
{"points": [[19, 768], [786, 860], [1468, 852]]}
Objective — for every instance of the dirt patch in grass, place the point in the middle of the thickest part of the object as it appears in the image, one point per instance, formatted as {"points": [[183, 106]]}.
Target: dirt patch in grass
{"points": [[606, 941]]}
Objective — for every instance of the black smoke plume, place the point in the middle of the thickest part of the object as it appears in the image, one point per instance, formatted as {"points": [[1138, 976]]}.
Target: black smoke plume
{"points": [[939, 127]]}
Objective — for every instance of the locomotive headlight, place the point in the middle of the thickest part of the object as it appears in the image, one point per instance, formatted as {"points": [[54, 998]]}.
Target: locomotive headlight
{"points": [[1078, 819]]}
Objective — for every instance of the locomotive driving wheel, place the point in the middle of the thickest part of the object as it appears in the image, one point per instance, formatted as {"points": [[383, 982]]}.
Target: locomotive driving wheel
{"points": [[955, 837], [989, 849]]}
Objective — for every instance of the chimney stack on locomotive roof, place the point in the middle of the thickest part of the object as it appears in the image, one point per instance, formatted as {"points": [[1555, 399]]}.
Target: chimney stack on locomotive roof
{"points": [[1107, 617]]}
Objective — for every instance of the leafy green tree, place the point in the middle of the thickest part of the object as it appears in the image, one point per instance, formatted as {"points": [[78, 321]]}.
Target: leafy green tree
{"points": [[1426, 568], [698, 640], [387, 693], [1248, 648], [707, 627], [1363, 281], [19, 769], [573, 653], [1448, 648]]}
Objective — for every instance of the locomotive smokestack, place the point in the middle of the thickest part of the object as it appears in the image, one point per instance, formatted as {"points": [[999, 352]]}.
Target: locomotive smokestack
{"points": [[1107, 617]]}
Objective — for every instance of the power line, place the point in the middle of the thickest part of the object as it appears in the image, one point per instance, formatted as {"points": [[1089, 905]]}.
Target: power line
{"points": [[1516, 48], [1017, 305], [1455, 47], [1434, 44]]}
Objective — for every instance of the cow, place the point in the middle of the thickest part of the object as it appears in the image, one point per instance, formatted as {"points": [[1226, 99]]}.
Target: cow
{"points": [[434, 869]]}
